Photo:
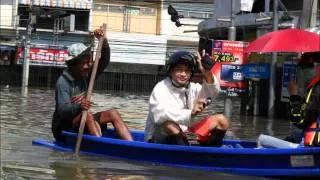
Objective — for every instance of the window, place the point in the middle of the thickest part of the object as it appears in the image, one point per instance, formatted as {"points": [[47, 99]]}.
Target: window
{"points": [[100, 7], [133, 10], [209, 15], [116, 9], [196, 15], [193, 14], [148, 11], [185, 14]]}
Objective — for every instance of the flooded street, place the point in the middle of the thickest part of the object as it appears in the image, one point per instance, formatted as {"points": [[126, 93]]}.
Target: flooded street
{"points": [[24, 119]]}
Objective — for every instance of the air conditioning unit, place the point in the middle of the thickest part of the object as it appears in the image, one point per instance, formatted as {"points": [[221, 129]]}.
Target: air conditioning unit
{"points": [[223, 7]]}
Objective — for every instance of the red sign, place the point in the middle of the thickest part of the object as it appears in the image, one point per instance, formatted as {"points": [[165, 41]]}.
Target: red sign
{"points": [[229, 58], [44, 57]]}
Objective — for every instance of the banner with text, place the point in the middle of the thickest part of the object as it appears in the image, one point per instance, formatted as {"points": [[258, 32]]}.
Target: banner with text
{"points": [[44, 57], [229, 58]]}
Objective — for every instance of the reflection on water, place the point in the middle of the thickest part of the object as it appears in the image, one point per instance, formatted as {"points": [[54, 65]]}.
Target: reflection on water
{"points": [[24, 119]]}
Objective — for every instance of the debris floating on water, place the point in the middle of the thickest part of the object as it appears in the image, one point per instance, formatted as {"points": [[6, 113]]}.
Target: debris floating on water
{"points": [[26, 168]]}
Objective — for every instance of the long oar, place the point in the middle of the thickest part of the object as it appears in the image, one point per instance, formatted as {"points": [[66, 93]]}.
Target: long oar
{"points": [[89, 92]]}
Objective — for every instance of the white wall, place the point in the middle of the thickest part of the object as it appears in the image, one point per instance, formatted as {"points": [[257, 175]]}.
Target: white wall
{"points": [[137, 48], [188, 40]]}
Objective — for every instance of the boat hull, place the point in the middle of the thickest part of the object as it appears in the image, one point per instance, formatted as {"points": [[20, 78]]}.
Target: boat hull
{"points": [[246, 160]]}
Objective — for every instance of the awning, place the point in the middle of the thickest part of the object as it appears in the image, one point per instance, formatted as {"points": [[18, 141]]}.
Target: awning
{"points": [[314, 29], [79, 4]]}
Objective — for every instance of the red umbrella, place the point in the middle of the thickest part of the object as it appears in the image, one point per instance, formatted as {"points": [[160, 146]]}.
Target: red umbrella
{"points": [[287, 40]]}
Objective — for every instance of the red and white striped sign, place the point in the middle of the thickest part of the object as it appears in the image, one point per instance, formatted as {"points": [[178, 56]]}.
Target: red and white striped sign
{"points": [[43, 57]]}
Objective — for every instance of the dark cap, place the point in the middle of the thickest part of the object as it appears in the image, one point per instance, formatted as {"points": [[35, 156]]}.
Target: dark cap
{"points": [[184, 57]]}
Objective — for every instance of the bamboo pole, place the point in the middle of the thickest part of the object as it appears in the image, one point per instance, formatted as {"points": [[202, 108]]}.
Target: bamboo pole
{"points": [[89, 92]]}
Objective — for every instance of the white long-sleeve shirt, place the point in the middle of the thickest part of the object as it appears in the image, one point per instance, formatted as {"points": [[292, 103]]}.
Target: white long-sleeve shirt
{"points": [[168, 102]]}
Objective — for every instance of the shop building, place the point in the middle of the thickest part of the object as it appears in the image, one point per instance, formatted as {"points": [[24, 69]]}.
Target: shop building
{"points": [[8, 25], [141, 34], [54, 26]]}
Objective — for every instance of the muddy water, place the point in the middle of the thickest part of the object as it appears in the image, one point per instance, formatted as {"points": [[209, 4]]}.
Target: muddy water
{"points": [[24, 119]]}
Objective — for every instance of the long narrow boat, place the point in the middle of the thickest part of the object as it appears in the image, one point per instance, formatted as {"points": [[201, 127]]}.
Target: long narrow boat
{"points": [[241, 157]]}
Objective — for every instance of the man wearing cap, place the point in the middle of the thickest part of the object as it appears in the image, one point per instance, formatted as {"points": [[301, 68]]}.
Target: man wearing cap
{"points": [[70, 94], [177, 105]]}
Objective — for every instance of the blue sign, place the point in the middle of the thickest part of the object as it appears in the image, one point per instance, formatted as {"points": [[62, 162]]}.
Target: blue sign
{"points": [[289, 73], [231, 72], [260, 70]]}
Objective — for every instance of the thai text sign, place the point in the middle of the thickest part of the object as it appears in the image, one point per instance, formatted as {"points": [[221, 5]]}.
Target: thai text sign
{"points": [[44, 57], [229, 58]]}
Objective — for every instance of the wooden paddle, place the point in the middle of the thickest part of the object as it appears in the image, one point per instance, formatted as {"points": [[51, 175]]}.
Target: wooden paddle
{"points": [[89, 92]]}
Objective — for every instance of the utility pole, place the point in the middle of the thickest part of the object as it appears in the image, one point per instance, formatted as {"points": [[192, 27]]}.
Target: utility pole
{"points": [[306, 16], [313, 16], [16, 21], [231, 37], [26, 56], [273, 64], [232, 28], [55, 39]]}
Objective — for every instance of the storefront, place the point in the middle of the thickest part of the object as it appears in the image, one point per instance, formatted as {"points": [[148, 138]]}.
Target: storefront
{"points": [[51, 29], [7, 54]]}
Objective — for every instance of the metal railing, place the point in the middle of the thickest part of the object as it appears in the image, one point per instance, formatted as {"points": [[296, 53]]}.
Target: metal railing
{"points": [[47, 76]]}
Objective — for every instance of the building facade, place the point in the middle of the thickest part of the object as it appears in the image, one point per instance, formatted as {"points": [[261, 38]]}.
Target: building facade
{"points": [[250, 23], [8, 19], [139, 32]]}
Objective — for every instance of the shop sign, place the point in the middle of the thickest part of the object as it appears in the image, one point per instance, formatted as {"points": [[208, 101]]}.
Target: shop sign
{"points": [[44, 57], [229, 58], [256, 71]]}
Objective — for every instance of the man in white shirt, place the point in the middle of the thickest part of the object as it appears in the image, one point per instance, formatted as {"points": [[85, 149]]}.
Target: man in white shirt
{"points": [[176, 105]]}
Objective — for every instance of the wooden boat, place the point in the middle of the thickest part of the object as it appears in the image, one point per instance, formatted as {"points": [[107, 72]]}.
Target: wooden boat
{"points": [[238, 156]]}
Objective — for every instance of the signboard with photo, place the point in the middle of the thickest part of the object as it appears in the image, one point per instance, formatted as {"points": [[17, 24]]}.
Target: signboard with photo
{"points": [[229, 58]]}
